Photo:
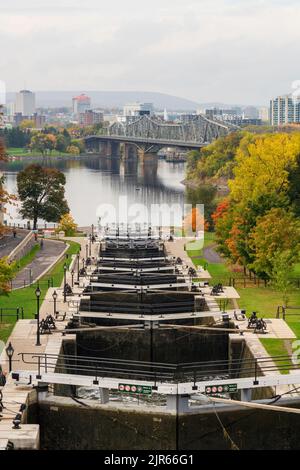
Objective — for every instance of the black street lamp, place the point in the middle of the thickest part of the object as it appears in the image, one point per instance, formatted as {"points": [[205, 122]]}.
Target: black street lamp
{"points": [[90, 246], [9, 352], [54, 296], [38, 295], [86, 251], [65, 282], [78, 267], [72, 274]]}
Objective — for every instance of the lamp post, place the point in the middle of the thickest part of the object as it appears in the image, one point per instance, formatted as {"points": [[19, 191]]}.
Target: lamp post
{"points": [[92, 233], [78, 267], [54, 296], [90, 246], [65, 282], [86, 251], [9, 352], [72, 274], [38, 295]]}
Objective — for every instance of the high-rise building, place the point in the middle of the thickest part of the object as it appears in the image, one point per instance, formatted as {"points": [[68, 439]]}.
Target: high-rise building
{"points": [[284, 110], [81, 104], [25, 103]]}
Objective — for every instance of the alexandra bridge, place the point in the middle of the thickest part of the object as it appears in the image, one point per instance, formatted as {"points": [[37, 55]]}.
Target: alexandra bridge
{"points": [[149, 135]]}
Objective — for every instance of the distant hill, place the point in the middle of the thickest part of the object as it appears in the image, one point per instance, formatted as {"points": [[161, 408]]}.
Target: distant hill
{"points": [[113, 99]]}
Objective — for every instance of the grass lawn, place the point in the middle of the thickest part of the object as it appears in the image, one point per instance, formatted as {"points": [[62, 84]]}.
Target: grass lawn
{"points": [[277, 347], [23, 262], [219, 271], [26, 297], [21, 152]]}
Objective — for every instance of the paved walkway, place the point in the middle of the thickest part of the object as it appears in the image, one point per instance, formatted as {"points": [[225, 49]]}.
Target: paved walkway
{"points": [[210, 254], [44, 259], [8, 243], [177, 249]]}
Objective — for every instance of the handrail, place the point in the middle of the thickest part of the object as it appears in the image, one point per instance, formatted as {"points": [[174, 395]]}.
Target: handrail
{"points": [[181, 372]]}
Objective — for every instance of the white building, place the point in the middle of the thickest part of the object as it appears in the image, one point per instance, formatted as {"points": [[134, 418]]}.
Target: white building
{"points": [[138, 109], [284, 110], [25, 103]]}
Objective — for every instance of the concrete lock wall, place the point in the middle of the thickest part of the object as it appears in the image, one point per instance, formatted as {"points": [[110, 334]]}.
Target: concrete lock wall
{"points": [[168, 345], [68, 425]]}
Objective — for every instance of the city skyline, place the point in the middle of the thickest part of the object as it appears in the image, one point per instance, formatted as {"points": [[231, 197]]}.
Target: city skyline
{"points": [[227, 50]]}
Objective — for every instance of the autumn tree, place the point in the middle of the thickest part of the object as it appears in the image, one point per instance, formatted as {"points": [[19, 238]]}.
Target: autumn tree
{"points": [[73, 150], [43, 142], [42, 193], [67, 224], [278, 231], [27, 124], [6, 276], [263, 168]]}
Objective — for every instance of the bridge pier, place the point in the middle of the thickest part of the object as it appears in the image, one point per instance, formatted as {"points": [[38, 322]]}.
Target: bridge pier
{"points": [[105, 148], [115, 149], [129, 151], [145, 155]]}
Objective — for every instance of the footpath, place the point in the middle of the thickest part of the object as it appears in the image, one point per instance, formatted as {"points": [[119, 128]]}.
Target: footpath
{"points": [[46, 257]]}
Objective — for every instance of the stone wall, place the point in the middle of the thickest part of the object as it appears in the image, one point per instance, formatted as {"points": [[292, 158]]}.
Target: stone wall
{"points": [[69, 425], [168, 345]]}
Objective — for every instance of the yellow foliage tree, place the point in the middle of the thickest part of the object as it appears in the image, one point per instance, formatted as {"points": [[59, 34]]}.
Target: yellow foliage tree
{"points": [[263, 166], [73, 150], [67, 225]]}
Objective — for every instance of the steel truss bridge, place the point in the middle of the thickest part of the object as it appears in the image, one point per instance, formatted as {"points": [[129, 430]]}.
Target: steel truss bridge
{"points": [[154, 134]]}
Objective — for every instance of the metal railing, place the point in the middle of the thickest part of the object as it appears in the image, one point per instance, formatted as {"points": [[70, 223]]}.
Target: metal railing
{"points": [[30, 283], [16, 313], [156, 371]]}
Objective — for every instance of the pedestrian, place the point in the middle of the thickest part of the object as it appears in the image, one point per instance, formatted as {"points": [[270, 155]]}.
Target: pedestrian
{"points": [[14, 233], [42, 244]]}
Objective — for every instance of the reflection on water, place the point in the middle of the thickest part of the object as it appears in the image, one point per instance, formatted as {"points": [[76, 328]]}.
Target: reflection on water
{"points": [[95, 180]]}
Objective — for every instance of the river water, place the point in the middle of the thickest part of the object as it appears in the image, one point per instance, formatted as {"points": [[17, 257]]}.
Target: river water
{"points": [[94, 180]]}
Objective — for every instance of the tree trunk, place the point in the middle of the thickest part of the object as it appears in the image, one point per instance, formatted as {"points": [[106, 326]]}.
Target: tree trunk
{"points": [[35, 222]]}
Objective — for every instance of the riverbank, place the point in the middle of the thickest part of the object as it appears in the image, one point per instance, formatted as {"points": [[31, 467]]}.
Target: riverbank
{"points": [[14, 153]]}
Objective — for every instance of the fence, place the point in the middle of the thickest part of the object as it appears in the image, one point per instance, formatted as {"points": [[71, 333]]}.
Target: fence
{"points": [[28, 226], [282, 310], [243, 282], [176, 372], [29, 283], [16, 313]]}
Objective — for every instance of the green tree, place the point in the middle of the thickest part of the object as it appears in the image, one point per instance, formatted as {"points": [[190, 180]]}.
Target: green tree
{"points": [[42, 193], [278, 231], [61, 143], [280, 278], [43, 142]]}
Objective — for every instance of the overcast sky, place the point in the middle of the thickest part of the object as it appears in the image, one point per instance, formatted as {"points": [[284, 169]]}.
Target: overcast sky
{"points": [[233, 51]]}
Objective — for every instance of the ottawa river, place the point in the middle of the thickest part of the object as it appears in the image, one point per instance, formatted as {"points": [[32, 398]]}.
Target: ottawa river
{"points": [[94, 180]]}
